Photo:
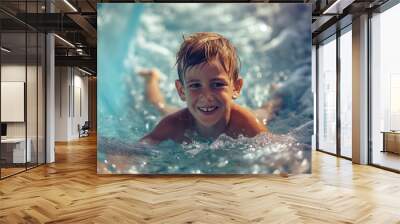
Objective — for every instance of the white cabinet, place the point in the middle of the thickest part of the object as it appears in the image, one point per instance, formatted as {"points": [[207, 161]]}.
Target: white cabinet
{"points": [[18, 149]]}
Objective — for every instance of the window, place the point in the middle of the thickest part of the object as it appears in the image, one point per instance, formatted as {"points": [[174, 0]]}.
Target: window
{"points": [[346, 93], [327, 96], [385, 88]]}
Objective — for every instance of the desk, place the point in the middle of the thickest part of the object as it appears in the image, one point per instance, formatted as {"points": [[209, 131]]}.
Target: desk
{"points": [[391, 141], [18, 149]]}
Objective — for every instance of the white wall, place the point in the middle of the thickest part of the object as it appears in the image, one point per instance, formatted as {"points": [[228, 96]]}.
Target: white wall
{"points": [[81, 114], [16, 73], [11, 73], [71, 94], [61, 103]]}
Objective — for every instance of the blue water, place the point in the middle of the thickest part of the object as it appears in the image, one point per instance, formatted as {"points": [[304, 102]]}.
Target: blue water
{"points": [[274, 45]]}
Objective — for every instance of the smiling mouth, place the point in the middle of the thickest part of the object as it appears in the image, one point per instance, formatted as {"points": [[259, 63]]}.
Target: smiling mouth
{"points": [[208, 109]]}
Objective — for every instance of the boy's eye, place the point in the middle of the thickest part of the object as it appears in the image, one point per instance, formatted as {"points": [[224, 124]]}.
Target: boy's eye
{"points": [[194, 85], [218, 84]]}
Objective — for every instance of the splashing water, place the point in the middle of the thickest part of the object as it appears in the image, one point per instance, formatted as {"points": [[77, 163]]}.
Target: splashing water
{"points": [[263, 154]]}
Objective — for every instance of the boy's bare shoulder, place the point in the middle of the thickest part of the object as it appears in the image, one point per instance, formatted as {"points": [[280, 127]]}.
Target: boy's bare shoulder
{"points": [[172, 127], [244, 122]]}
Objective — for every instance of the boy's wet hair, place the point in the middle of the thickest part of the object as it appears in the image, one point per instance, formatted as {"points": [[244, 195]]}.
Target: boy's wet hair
{"points": [[206, 47]]}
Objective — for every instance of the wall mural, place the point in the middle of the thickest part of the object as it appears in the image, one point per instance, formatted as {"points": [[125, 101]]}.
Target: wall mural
{"points": [[204, 88]]}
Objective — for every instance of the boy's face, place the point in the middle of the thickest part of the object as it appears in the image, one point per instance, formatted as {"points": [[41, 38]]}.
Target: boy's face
{"points": [[209, 93]]}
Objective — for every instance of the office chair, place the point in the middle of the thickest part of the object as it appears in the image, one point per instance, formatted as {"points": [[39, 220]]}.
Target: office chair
{"points": [[84, 130]]}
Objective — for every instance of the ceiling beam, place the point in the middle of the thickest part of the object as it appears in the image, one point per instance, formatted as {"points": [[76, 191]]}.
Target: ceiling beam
{"points": [[337, 7], [86, 26], [83, 61], [49, 22]]}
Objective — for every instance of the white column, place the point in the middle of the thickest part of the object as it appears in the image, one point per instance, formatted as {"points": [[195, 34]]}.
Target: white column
{"points": [[50, 93], [360, 90], [50, 100], [314, 92]]}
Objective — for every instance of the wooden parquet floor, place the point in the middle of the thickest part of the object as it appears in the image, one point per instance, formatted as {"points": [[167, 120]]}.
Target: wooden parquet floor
{"points": [[70, 191]]}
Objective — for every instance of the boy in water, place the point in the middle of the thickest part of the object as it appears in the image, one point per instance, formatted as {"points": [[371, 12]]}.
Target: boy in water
{"points": [[209, 83]]}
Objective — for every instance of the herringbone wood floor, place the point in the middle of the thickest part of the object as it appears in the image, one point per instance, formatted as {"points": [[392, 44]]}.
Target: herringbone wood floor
{"points": [[70, 191]]}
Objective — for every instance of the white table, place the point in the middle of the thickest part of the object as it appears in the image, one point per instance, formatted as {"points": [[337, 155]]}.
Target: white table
{"points": [[19, 149]]}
